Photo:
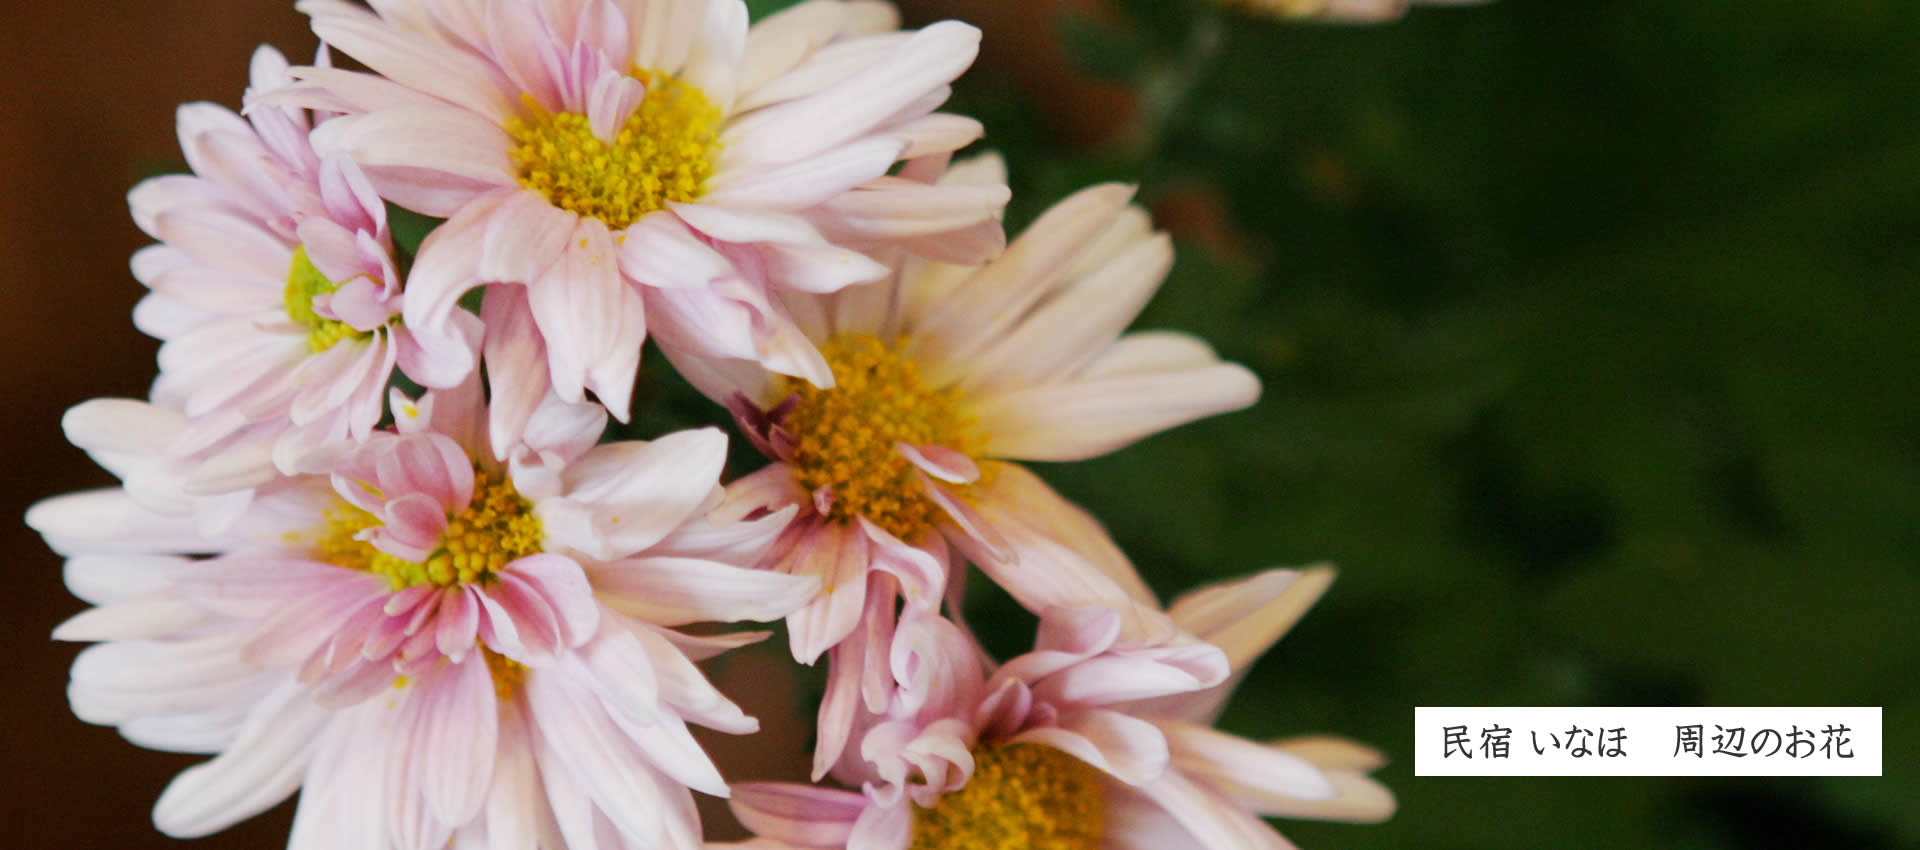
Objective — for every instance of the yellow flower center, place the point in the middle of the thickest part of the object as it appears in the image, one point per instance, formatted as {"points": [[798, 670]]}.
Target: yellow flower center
{"points": [[1021, 797], [663, 153], [304, 283], [508, 674], [846, 435], [497, 527]]}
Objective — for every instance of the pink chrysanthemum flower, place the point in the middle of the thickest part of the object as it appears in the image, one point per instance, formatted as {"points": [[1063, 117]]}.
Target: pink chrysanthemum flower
{"points": [[941, 371], [614, 167], [1344, 11], [1099, 739], [432, 646], [275, 293]]}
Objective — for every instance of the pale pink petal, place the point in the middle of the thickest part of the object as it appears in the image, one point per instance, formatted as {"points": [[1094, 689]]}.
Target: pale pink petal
{"points": [[229, 241], [819, 268], [921, 570], [1245, 770], [528, 53], [972, 317], [798, 129], [440, 70], [670, 591], [882, 828], [298, 630], [1071, 329], [563, 585], [516, 365], [639, 492], [1213, 820], [458, 746], [1127, 748], [105, 579], [1065, 558], [1244, 618], [834, 721], [659, 250], [533, 616], [668, 746], [1332, 753], [580, 306], [444, 141], [804, 815], [337, 90], [458, 623], [799, 185], [837, 555], [568, 718], [663, 31], [718, 321], [438, 357], [413, 524], [742, 226], [953, 467], [683, 686], [428, 464], [449, 263], [893, 209], [262, 766], [1087, 418], [1129, 676], [714, 55], [526, 237], [516, 814], [1355, 799], [826, 67], [623, 675]]}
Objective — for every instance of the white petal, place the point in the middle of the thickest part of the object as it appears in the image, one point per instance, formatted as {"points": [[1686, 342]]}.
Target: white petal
{"points": [[264, 765], [638, 492], [1091, 417], [677, 591]]}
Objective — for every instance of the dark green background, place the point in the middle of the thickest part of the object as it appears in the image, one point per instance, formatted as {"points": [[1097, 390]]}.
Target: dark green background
{"points": [[1593, 371]]}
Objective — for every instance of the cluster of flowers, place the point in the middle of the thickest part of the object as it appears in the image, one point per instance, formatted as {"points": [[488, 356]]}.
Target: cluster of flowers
{"points": [[450, 616]]}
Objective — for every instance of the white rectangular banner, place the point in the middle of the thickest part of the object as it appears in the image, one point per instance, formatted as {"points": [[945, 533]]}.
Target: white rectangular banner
{"points": [[1604, 741]]}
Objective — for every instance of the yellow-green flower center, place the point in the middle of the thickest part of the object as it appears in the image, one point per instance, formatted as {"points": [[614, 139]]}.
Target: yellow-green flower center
{"points": [[846, 435], [304, 283], [497, 527], [664, 152], [1021, 797]]}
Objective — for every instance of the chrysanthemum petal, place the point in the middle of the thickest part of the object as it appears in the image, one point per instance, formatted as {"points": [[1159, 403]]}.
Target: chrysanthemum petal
{"points": [[639, 492], [837, 555], [1091, 417], [801, 128], [261, 768], [808, 182], [1241, 767], [449, 74], [811, 817], [676, 591], [1077, 324], [459, 746], [443, 140]]}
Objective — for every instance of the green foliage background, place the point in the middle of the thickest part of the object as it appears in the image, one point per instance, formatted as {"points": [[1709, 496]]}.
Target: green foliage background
{"points": [[1591, 365]]}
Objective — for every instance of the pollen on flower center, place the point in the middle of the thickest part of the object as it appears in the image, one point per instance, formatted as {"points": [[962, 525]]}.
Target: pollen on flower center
{"points": [[508, 674], [1021, 797], [304, 283], [846, 435], [497, 527], [664, 152]]}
